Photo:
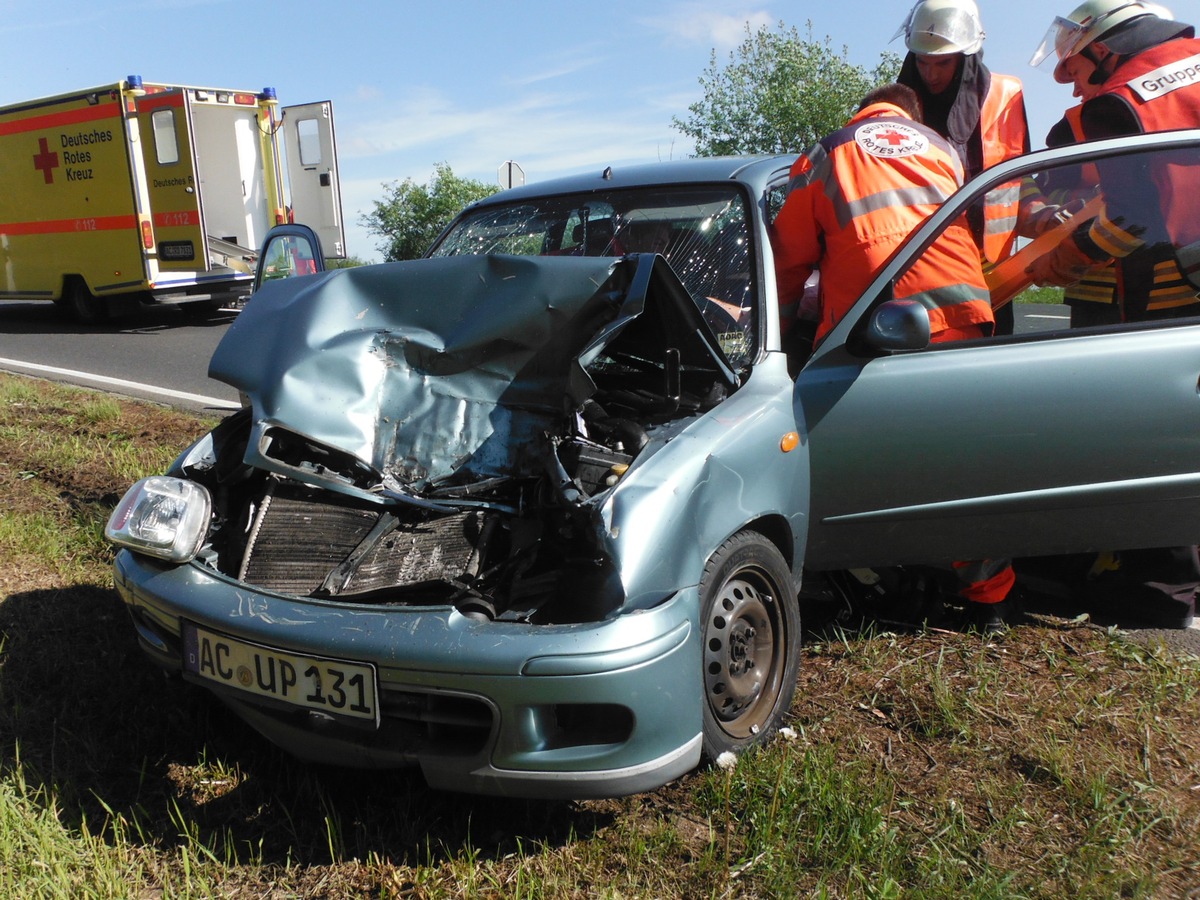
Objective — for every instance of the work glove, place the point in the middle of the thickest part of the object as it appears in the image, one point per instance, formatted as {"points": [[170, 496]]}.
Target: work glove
{"points": [[1064, 265], [1049, 216]]}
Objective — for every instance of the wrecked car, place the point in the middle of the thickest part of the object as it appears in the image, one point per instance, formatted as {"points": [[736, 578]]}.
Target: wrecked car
{"points": [[532, 514]]}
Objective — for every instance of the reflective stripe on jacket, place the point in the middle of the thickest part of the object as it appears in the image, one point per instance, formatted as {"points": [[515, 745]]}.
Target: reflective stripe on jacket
{"points": [[1005, 134], [854, 198]]}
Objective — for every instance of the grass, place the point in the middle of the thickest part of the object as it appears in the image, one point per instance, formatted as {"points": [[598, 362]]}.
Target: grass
{"points": [[1058, 760], [1037, 294]]}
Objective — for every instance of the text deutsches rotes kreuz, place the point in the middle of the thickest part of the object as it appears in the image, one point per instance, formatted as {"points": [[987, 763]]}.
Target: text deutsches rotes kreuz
{"points": [[890, 139], [75, 161]]}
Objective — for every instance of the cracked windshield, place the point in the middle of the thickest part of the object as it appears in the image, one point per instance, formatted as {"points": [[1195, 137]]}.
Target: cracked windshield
{"points": [[702, 233]]}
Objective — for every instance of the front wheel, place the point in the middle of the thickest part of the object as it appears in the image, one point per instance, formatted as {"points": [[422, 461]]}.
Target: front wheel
{"points": [[750, 622]]}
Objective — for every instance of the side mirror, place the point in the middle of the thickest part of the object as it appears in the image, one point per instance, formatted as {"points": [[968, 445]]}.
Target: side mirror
{"points": [[899, 325], [288, 250]]}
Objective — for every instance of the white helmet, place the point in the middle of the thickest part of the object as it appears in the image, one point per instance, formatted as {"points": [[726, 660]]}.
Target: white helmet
{"points": [[1088, 22], [940, 27]]}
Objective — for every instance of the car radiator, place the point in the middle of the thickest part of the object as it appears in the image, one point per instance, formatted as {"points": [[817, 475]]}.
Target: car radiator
{"points": [[318, 544]]}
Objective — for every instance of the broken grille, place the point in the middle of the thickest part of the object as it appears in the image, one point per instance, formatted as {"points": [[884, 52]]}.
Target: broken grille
{"points": [[304, 544]]}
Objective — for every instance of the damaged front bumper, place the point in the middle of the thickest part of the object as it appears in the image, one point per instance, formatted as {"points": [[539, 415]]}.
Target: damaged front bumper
{"points": [[584, 710]]}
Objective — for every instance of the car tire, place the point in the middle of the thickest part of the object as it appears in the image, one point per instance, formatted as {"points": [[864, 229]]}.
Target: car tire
{"points": [[750, 627], [81, 304]]}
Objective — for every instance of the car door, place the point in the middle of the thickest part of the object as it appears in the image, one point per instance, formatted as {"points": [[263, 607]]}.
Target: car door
{"points": [[288, 251], [1045, 443]]}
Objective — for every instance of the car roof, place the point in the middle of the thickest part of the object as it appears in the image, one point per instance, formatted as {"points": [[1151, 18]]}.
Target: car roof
{"points": [[754, 171]]}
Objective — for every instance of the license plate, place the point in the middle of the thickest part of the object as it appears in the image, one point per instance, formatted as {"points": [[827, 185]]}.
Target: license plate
{"points": [[335, 686]]}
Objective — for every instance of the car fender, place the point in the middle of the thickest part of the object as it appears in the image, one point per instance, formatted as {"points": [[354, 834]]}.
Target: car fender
{"points": [[722, 473]]}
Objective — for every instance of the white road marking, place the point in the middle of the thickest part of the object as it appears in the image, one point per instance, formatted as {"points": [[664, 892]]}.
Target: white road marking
{"points": [[121, 383]]}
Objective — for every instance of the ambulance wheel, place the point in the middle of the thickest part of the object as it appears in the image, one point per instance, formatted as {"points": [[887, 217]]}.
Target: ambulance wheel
{"points": [[81, 304], [750, 626], [201, 309]]}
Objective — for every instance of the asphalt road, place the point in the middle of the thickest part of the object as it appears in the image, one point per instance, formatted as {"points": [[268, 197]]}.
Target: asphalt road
{"points": [[157, 354]]}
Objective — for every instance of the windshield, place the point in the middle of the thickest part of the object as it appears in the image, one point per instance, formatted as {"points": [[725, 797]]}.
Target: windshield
{"points": [[702, 231]]}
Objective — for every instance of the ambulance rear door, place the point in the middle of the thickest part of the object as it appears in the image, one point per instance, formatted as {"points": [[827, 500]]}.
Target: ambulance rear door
{"points": [[164, 122], [312, 171]]}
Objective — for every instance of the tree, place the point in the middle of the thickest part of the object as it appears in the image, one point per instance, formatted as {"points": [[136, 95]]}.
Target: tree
{"points": [[348, 262], [779, 93], [412, 215]]}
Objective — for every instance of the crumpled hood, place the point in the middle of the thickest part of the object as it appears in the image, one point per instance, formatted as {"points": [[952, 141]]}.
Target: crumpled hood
{"points": [[426, 368]]}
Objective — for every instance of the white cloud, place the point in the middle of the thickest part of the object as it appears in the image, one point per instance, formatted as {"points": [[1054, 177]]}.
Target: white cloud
{"points": [[543, 131], [697, 22], [428, 116], [547, 134], [562, 64], [367, 93]]}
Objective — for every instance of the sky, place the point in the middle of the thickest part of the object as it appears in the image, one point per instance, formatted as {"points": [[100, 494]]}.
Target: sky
{"points": [[557, 87]]}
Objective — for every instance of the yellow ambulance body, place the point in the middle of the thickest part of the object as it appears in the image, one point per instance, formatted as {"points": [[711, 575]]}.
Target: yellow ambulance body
{"points": [[150, 193]]}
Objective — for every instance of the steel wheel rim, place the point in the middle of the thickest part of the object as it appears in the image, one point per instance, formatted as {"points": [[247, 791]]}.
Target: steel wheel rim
{"points": [[742, 644]]}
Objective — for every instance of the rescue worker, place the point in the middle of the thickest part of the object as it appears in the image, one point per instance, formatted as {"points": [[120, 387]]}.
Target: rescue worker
{"points": [[851, 200], [1146, 216], [1139, 227], [1095, 298], [833, 218], [981, 113]]}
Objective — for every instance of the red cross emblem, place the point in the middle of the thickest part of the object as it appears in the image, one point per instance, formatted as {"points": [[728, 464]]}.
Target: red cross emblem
{"points": [[46, 160], [893, 137]]}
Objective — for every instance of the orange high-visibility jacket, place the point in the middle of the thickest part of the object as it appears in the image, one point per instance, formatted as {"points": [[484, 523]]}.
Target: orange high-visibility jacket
{"points": [[1089, 175], [1100, 284], [1005, 134], [857, 195], [1161, 85]]}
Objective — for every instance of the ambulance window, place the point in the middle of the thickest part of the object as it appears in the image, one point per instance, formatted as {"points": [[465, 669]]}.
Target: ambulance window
{"points": [[310, 142], [166, 147]]}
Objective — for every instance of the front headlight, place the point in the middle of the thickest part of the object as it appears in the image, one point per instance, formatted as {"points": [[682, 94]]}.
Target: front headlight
{"points": [[162, 517]]}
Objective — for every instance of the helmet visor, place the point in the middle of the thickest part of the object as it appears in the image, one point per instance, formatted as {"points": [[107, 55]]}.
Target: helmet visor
{"points": [[1064, 38]]}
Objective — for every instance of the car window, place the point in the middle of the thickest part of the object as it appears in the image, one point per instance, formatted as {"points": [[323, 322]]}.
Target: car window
{"points": [[287, 255], [1126, 199], [775, 197], [703, 232]]}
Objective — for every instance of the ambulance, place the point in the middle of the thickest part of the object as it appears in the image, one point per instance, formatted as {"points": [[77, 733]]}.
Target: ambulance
{"points": [[134, 193]]}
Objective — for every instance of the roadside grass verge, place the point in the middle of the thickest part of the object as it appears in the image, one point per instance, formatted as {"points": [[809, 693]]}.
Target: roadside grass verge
{"points": [[1057, 760], [1038, 294], [68, 455]]}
